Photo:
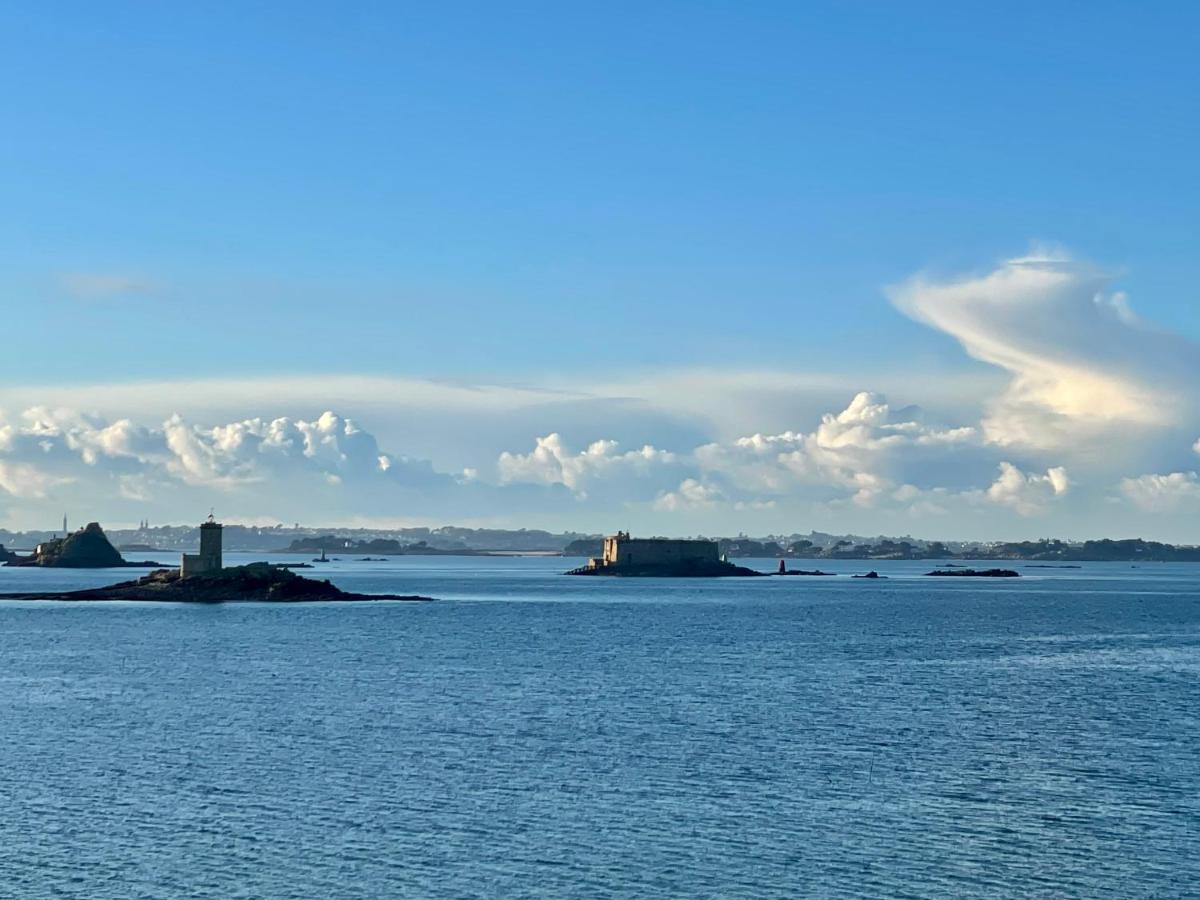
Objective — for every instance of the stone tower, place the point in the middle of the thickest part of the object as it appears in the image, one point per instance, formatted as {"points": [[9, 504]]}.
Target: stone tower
{"points": [[208, 561]]}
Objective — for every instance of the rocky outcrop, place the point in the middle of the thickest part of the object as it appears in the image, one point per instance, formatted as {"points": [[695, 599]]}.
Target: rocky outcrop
{"points": [[691, 569], [784, 570], [7, 556], [975, 573], [255, 583], [88, 548]]}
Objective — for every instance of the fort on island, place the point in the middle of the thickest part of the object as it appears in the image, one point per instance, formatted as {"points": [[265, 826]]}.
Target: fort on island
{"points": [[208, 561], [622, 550], [660, 557]]}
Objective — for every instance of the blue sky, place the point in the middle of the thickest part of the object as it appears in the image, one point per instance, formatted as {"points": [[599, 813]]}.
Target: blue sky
{"points": [[559, 197]]}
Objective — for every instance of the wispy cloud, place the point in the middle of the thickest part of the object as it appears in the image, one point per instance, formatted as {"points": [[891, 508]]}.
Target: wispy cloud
{"points": [[96, 287], [1080, 360]]}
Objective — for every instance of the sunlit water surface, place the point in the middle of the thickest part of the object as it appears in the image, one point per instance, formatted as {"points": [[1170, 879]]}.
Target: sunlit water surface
{"points": [[532, 734]]}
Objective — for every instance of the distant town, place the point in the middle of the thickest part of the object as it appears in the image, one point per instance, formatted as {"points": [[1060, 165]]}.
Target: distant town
{"points": [[451, 540]]}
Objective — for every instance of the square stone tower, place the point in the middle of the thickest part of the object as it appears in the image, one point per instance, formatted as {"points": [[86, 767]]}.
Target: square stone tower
{"points": [[208, 561]]}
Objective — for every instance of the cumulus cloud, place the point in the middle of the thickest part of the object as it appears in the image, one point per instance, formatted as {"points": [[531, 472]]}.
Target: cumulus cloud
{"points": [[552, 462], [27, 481], [869, 455], [1160, 493], [1028, 494], [1080, 361], [866, 450], [279, 462], [690, 495]]}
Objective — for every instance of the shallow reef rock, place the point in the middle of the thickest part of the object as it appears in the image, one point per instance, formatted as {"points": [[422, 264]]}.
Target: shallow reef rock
{"points": [[254, 583], [974, 573], [689, 569]]}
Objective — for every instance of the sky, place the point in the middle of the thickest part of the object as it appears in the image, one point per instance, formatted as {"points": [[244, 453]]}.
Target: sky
{"points": [[920, 268]]}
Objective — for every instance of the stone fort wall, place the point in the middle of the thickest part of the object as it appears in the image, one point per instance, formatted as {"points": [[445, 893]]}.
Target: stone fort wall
{"points": [[652, 552]]}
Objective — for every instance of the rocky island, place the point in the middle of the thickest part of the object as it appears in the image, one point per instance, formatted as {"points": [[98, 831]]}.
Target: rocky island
{"points": [[87, 548], [254, 583], [975, 573], [784, 570], [628, 557], [201, 577]]}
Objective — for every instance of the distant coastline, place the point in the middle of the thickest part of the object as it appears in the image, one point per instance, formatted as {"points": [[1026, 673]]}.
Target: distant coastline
{"points": [[1044, 551], [456, 541]]}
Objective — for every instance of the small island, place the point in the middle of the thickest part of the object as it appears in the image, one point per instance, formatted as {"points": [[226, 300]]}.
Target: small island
{"points": [[87, 548], [627, 557], [784, 570], [974, 573], [254, 583], [203, 578], [328, 543]]}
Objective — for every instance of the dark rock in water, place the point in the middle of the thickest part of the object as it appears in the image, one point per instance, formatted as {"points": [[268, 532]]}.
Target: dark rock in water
{"points": [[257, 582], [7, 556], [874, 574], [88, 548], [691, 569], [975, 573]]}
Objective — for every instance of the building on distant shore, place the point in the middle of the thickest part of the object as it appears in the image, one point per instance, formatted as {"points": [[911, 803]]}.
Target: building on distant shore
{"points": [[208, 561], [624, 552]]}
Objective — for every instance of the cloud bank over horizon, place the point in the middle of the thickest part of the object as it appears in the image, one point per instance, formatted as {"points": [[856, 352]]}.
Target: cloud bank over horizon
{"points": [[1089, 423]]}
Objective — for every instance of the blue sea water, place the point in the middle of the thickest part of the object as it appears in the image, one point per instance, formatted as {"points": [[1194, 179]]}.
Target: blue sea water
{"points": [[537, 735]]}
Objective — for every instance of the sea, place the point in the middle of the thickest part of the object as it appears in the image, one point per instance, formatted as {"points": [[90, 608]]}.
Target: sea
{"points": [[536, 735]]}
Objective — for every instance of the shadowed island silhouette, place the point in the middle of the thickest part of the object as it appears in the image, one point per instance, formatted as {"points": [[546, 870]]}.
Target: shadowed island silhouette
{"points": [[200, 578]]}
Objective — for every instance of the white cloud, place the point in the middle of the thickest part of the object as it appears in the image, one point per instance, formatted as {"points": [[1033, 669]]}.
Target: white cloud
{"points": [[552, 462], [1081, 362], [272, 463], [1027, 494], [865, 450], [1158, 493], [868, 455], [467, 424], [27, 481], [690, 495]]}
